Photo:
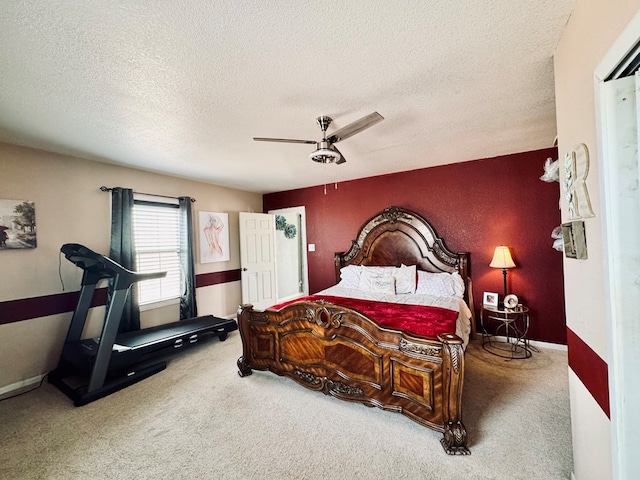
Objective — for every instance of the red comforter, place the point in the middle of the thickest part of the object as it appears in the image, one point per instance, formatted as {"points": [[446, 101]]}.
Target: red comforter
{"points": [[421, 320]]}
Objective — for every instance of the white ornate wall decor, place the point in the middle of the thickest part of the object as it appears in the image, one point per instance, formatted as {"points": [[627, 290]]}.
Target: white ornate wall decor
{"points": [[576, 169]]}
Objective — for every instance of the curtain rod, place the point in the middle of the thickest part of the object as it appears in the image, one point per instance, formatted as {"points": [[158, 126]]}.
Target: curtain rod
{"points": [[108, 189]]}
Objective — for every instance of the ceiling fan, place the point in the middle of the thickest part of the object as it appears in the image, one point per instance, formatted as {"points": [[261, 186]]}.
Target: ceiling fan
{"points": [[325, 151]]}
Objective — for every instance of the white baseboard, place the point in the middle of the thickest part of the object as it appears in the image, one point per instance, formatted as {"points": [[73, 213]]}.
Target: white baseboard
{"points": [[16, 387], [535, 343]]}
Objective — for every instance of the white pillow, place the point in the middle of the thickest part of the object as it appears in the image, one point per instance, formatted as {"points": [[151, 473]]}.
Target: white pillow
{"points": [[369, 273], [350, 276], [459, 286], [440, 284], [405, 279], [383, 271], [383, 285]]}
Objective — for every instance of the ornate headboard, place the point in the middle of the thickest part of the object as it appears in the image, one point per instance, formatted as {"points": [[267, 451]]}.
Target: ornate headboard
{"points": [[397, 236]]}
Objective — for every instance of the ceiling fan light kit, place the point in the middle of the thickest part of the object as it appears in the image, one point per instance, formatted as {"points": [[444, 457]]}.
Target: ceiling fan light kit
{"points": [[325, 151]]}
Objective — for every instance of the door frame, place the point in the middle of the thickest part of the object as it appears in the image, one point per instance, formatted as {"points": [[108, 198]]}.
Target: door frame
{"points": [[623, 387], [303, 243]]}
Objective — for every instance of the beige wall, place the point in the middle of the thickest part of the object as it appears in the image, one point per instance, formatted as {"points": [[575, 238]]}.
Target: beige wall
{"points": [[592, 29], [71, 208]]}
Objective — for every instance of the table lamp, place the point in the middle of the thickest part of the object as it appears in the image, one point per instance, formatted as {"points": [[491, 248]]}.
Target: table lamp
{"points": [[502, 259]]}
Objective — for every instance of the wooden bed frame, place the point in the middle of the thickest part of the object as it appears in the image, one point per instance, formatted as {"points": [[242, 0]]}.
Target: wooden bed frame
{"points": [[342, 353]]}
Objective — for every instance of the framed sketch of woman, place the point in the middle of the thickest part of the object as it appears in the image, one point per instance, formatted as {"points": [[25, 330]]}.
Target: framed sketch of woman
{"points": [[213, 234]]}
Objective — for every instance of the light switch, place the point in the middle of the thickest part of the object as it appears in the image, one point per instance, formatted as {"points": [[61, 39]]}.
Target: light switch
{"points": [[312, 247]]}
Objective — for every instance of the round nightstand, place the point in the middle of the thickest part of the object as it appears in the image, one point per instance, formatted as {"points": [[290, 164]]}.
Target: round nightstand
{"points": [[510, 327]]}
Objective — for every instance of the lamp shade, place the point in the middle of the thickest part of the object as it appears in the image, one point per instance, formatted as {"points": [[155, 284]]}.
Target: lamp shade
{"points": [[502, 258]]}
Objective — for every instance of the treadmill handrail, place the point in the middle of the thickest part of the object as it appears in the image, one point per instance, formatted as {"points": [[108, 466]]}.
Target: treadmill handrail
{"points": [[88, 260]]}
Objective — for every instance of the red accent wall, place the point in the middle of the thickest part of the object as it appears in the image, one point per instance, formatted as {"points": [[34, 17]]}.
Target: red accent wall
{"points": [[474, 206]]}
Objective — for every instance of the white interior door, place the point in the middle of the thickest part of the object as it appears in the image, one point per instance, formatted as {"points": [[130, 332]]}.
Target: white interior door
{"points": [[257, 259]]}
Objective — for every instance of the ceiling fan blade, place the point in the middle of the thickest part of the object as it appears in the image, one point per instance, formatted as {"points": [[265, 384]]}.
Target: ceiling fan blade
{"points": [[283, 140], [341, 159], [355, 127]]}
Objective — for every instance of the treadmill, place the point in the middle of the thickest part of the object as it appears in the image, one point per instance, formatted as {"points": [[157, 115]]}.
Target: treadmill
{"points": [[93, 368]]}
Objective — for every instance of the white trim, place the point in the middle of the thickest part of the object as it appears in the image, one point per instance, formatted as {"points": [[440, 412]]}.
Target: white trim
{"points": [[159, 304], [622, 455], [146, 197], [624, 44], [535, 343], [14, 387]]}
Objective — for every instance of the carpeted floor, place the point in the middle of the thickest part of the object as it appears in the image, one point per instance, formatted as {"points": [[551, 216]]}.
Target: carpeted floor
{"points": [[199, 419]]}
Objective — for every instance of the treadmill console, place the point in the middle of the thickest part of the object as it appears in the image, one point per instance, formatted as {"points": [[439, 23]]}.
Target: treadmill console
{"points": [[93, 262]]}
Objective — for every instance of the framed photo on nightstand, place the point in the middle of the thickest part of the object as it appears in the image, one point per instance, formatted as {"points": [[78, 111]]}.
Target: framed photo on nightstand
{"points": [[490, 299]]}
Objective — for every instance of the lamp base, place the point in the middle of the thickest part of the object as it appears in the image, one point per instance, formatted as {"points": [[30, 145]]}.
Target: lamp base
{"points": [[504, 274]]}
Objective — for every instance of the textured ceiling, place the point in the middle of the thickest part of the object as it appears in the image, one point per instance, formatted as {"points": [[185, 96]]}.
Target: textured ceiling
{"points": [[182, 86]]}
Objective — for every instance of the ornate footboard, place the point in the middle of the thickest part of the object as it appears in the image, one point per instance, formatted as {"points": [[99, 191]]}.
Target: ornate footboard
{"points": [[342, 353]]}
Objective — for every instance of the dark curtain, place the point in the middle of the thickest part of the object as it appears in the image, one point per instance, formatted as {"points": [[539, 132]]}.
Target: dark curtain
{"points": [[188, 308], [123, 251]]}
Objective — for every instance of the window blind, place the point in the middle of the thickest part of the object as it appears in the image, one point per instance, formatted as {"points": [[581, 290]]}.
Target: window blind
{"points": [[157, 241]]}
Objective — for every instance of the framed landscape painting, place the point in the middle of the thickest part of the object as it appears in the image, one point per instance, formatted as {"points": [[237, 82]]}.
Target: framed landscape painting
{"points": [[17, 224]]}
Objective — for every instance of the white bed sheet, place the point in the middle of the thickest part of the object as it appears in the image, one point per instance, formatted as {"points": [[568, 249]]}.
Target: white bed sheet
{"points": [[457, 304]]}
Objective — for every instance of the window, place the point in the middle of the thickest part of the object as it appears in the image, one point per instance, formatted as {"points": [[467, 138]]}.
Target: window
{"points": [[156, 235]]}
